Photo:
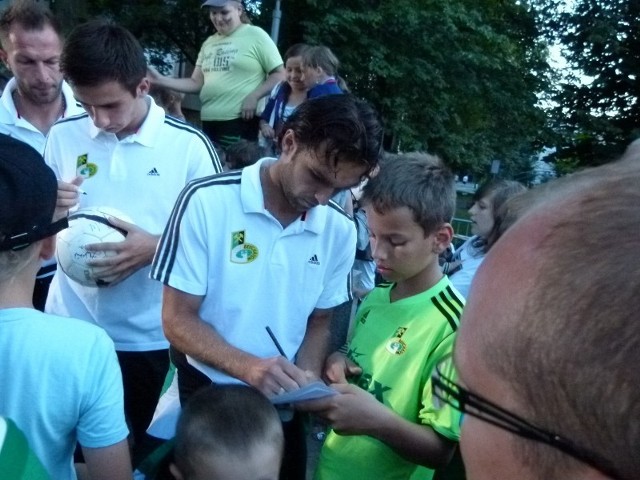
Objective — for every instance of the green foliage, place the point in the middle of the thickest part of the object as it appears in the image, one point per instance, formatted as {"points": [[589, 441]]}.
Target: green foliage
{"points": [[162, 26], [458, 78], [598, 115]]}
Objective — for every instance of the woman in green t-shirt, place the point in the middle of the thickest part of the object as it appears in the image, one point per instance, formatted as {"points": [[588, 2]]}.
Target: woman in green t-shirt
{"points": [[236, 67]]}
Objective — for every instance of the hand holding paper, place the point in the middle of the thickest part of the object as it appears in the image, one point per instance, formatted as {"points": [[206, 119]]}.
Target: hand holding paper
{"points": [[311, 391]]}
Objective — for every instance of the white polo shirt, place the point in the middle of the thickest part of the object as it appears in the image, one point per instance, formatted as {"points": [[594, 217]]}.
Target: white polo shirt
{"points": [[223, 244], [140, 175], [12, 124]]}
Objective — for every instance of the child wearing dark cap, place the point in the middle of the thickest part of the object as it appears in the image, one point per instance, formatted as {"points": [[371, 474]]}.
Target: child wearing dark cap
{"points": [[61, 383]]}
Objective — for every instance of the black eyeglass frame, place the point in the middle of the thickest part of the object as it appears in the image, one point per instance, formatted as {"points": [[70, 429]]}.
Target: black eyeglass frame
{"points": [[489, 412]]}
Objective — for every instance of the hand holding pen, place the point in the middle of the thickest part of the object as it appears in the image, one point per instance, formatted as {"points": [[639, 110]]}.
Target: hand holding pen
{"points": [[276, 375]]}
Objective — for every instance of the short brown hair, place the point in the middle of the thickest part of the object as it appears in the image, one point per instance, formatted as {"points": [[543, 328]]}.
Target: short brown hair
{"points": [[573, 360], [416, 180], [225, 420], [30, 15]]}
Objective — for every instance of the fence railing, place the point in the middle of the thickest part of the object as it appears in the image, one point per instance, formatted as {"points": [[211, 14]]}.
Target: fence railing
{"points": [[461, 230]]}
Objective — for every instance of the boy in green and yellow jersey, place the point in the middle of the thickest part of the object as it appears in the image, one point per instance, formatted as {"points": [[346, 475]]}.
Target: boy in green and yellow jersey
{"points": [[384, 423]]}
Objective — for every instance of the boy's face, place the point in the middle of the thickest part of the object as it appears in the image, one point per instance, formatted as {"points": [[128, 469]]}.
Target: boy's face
{"points": [[401, 250], [260, 462], [112, 107]]}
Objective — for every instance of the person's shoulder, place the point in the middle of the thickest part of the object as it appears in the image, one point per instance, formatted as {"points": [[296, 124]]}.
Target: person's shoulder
{"points": [[74, 326], [216, 184], [281, 90], [74, 332], [180, 130], [441, 291], [249, 29], [336, 211], [330, 88], [337, 219], [212, 39], [80, 120], [446, 300]]}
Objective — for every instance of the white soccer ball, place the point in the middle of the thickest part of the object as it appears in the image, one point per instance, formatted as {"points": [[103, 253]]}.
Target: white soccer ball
{"points": [[88, 225]]}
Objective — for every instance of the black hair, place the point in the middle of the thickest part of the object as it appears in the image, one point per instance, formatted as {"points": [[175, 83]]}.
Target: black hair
{"points": [[100, 51], [347, 128]]}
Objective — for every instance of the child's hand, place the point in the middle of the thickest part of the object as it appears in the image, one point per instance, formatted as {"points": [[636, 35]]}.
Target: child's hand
{"points": [[353, 411], [68, 197], [338, 368]]}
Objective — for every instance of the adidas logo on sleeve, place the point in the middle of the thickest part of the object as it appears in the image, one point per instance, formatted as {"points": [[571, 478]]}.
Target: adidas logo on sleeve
{"points": [[314, 260]]}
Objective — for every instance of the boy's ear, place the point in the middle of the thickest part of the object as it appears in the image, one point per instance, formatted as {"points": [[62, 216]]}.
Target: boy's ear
{"points": [[442, 238], [175, 472]]}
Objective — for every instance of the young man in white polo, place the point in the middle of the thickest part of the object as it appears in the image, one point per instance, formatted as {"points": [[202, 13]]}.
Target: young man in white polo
{"points": [[266, 247], [129, 156]]}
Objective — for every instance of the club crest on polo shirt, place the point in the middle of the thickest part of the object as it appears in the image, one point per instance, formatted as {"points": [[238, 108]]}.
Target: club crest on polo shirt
{"points": [[242, 252], [396, 345], [84, 168]]}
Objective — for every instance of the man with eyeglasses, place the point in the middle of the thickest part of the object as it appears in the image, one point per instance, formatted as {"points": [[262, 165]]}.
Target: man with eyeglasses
{"points": [[548, 350]]}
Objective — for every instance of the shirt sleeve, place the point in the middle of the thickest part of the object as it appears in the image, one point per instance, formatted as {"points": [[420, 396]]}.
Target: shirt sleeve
{"points": [[267, 52], [202, 157], [443, 419], [337, 288], [179, 259]]}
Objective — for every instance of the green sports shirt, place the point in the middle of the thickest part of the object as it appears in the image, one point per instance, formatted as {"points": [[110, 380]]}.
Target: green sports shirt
{"points": [[397, 345]]}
